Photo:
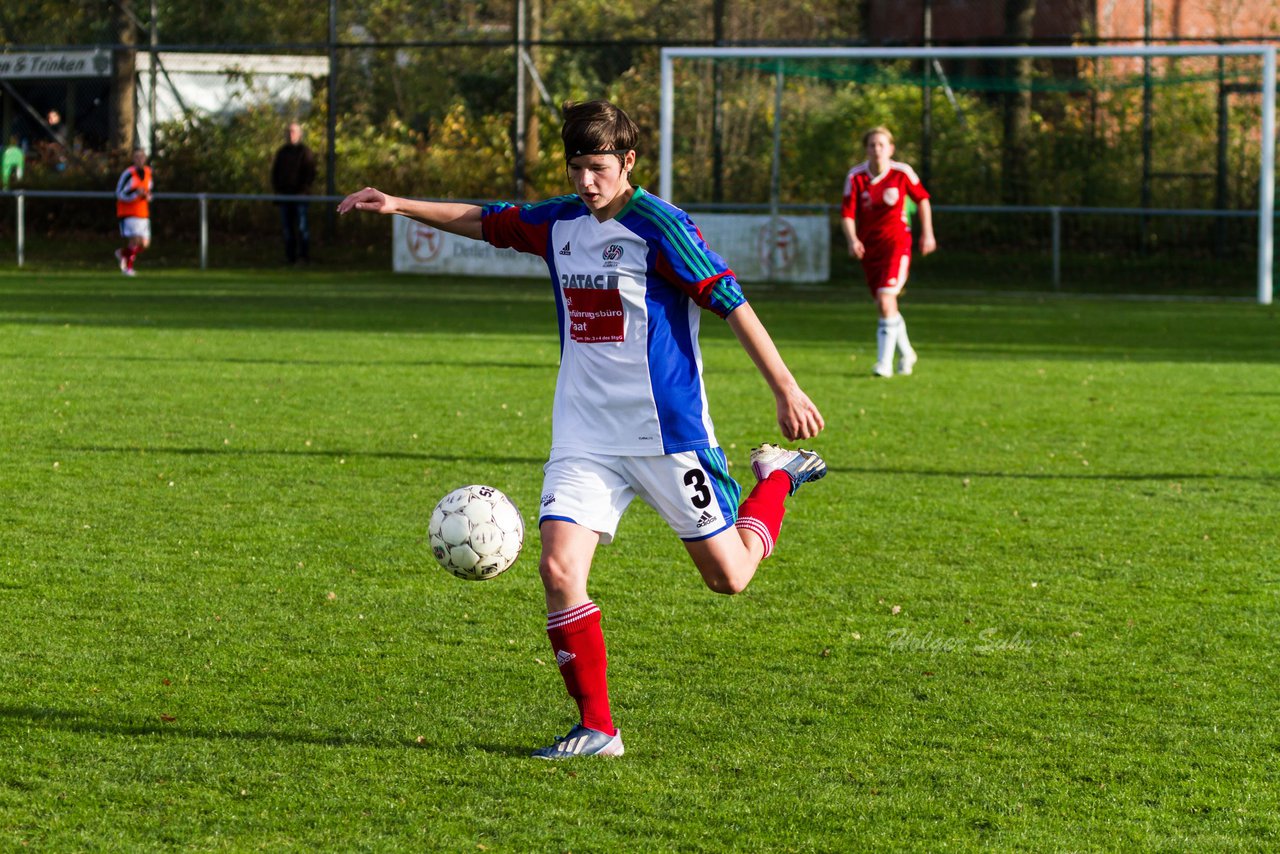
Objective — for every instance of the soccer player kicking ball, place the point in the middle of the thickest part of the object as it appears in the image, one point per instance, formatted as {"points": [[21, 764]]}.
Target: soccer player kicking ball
{"points": [[630, 273], [876, 223]]}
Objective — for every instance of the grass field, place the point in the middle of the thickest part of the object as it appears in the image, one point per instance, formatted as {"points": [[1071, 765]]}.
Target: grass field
{"points": [[1033, 606]]}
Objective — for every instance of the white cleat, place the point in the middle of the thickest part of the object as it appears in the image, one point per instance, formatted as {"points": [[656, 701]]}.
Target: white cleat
{"points": [[907, 363], [124, 266], [881, 369], [582, 741], [801, 466]]}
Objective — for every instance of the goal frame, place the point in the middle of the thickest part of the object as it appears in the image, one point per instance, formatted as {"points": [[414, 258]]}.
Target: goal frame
{"points": [[1267, 53]]}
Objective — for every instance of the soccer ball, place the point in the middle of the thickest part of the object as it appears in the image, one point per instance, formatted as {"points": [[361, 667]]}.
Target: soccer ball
{"points": [[476, 532]]}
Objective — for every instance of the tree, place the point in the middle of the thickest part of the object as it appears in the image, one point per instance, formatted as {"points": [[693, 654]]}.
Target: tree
{"points": [[1015, 187], [37, 22], [123, 77]]}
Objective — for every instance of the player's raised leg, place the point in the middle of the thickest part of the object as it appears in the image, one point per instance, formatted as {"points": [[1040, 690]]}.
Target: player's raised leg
{"points": [[728, 561], [577, 640]]}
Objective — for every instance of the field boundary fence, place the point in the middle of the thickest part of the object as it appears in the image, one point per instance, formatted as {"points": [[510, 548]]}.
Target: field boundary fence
{"points": [[1055, 234]]}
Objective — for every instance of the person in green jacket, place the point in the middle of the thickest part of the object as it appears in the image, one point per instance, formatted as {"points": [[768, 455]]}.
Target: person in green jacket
{"points": [[12, 162]]}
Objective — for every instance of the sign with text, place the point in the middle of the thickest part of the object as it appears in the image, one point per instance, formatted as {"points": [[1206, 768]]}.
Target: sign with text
{"points": [[761, 248], [758, 248], [418, 248], [57, 63]]}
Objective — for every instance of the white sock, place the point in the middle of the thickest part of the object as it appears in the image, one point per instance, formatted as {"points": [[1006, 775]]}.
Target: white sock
{"points": [[904, 343], [887, 339]]}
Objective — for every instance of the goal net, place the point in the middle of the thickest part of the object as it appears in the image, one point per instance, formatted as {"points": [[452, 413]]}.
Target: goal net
{"points": [[1125, 169]]}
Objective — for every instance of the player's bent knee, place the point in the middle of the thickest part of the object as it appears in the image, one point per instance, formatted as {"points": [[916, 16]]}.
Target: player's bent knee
{"points": [[725, 585], [728, 579], [725, 564]]}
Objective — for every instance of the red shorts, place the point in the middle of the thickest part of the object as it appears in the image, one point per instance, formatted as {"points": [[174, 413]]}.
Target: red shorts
{"points": [[886, 268]]}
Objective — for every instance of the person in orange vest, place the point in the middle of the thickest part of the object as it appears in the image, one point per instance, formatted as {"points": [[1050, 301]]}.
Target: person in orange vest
{"points": [[133, 209]]}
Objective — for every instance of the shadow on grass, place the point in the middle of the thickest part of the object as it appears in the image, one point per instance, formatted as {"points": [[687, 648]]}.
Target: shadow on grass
{"points": [[96, 723], [322, 301], [340, 453], [338, 363], [971, 326], [958, 474], [519, 751], [961, 474], [92, 723]]}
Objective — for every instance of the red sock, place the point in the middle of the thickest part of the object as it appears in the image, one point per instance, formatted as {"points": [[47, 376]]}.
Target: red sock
{"points": [[129, 253], [578, 642], [762, 512]]}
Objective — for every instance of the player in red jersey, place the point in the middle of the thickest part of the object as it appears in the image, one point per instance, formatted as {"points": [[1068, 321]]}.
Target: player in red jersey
{"points": [[876, 223]]}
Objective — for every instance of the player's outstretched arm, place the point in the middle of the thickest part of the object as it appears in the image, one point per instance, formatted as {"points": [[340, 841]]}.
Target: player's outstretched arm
{"points": [[797, 415], [454, 217]]}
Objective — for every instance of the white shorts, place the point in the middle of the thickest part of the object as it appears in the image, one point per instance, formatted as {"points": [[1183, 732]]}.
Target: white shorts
{"points": [[135, 226], [692, 491]]}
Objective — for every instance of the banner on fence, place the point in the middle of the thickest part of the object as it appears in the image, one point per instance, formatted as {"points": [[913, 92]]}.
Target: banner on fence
{"points": [[757, 247], [418, 248], [44, 65], [761, 248]]}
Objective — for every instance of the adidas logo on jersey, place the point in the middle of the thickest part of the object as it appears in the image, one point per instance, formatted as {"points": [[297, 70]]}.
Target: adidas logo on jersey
{"points": [[563, 658], [566, 250], [707, 519]]}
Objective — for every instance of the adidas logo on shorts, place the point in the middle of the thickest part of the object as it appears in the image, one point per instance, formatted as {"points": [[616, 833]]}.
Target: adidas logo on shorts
{"points": [[707, 519]]}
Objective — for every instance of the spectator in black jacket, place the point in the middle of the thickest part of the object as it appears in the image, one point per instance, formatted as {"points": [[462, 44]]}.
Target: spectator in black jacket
{"points": [[292, 174]]}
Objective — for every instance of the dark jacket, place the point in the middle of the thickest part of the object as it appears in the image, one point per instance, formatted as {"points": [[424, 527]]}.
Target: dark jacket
{"points": [[293, 171]]}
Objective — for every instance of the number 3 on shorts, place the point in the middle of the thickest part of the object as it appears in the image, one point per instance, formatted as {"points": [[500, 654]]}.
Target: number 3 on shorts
{"points": [[701, 492]]}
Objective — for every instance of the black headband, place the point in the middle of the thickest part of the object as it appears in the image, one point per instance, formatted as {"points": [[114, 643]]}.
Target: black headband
{"points": [[569, 155]]}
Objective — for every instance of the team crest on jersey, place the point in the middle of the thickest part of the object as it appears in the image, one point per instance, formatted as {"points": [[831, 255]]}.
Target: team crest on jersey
{"points": [[612, 255], [891, 196]]}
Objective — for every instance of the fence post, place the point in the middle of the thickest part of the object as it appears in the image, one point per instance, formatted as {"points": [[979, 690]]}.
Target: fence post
{"points": [[204, 231], [22, 227], [1055, 215]]}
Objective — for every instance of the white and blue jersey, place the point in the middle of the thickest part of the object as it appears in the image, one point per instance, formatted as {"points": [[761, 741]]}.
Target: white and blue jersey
{"points": [[629, 294]]}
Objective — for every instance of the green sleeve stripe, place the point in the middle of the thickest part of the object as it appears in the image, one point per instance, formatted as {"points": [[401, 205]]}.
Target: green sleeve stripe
{"points": [[678, 237], [727, 296]]}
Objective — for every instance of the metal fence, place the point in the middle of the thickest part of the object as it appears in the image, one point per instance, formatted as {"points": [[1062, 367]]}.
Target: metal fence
{"points": [[202, 201], [1038, 249]]}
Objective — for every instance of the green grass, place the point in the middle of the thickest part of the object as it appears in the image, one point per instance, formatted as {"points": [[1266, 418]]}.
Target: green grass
{"points": [[1033, 606]]}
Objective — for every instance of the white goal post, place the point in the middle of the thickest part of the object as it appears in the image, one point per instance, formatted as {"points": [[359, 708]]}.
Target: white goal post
{"points": [[1267, 53]]}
